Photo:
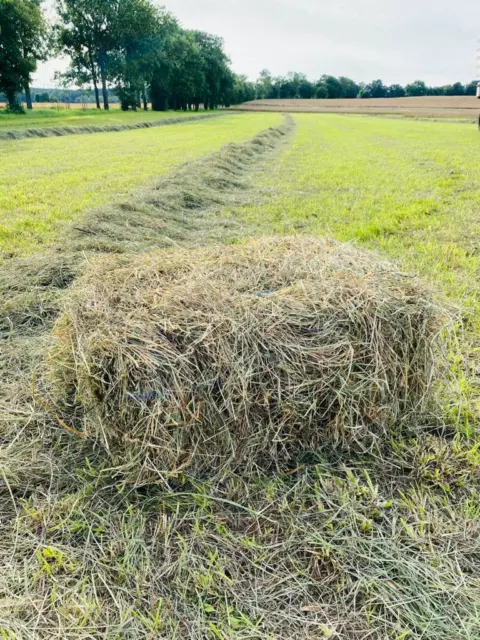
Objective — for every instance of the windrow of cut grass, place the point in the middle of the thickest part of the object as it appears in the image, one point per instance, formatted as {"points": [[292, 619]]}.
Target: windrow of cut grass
{"points": [[41, 118], [56, 132], [179, 208], [45, 184]]}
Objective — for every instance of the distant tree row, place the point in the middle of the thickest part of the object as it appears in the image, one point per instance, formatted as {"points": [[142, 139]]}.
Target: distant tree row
{"points": [[131, 46], [297, 85], [62, 94]]}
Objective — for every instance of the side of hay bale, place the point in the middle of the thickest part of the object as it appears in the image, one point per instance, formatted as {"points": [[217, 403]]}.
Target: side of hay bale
{"points": [[228, 358]]}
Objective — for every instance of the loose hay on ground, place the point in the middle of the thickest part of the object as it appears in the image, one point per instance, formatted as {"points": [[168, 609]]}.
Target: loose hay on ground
{"points": [[230, 358], [56, 132]]}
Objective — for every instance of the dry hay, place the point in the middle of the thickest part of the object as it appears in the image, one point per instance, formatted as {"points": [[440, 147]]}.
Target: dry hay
{"points": [[230, 358]]}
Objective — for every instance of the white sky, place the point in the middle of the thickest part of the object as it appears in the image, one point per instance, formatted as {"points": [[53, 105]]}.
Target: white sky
{"points": [[395, 40]]}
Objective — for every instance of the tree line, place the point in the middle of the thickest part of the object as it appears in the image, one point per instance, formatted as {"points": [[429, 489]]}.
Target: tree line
{"points": [[141, 52], [131, 46], [297, 85], [62, 94]]}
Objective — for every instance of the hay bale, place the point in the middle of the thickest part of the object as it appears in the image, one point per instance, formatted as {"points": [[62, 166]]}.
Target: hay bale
{"points": [[222, 358]]}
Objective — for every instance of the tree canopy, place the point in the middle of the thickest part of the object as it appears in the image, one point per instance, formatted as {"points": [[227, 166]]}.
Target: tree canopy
{"points": [[23, 41], [297, 85]]}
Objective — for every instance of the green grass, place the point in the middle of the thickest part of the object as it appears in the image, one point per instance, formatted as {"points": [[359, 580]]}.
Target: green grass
{"points": [[45, 183], [41, 118], [410, 190]]}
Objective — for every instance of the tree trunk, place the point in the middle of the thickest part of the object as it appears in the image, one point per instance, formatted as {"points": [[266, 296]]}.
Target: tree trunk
{"points": [[28, 96], [101, 64], [144, 98], [10, 98], [94, 79]]}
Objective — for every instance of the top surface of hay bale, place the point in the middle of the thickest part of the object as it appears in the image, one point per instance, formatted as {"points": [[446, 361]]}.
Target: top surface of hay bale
{"points": [[233, 356]]}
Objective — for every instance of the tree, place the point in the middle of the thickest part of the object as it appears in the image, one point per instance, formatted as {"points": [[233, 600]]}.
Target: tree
{"points": [[42, 97], [188, 83], [163, 66], [241, 91], [456, 89], [215, 66], [350, 88], [395, 91], [75, 39], [374, 89], [138, 40], [417, 88], [332, 85], [321, 91], [23, 41], [99, 34], [264, 88], [436, 91], [471, 88]]}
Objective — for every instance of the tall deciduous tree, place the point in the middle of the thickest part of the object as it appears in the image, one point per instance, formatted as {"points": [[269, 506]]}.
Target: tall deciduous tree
{"points": [[374, 89], [417, 88], [102, 37], [264, 86], [76, 39], [86, 35], [215, 67], [350, 88], [23, 41], [138, 38]]}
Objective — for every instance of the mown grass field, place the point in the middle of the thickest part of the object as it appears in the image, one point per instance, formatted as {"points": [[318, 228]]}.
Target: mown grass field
{"points": [[377, 539], [45, 183], [40, 118], [410, 190]]}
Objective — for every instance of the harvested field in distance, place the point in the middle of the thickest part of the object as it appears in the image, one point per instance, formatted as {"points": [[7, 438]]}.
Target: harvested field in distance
{"points": [[429, 106]]}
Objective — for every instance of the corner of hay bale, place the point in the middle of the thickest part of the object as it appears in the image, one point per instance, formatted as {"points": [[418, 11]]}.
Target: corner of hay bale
{"points": [[228, 357]]}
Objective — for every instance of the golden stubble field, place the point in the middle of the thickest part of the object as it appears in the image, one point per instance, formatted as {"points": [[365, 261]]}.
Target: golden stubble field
{"points": [[430, 106]]}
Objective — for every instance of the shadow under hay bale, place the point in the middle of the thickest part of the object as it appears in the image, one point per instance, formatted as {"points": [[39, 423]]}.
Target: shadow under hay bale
{"points": [[231, 358]]}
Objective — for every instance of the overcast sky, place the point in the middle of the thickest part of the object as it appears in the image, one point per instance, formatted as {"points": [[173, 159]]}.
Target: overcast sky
{"points": [[395, 40]]}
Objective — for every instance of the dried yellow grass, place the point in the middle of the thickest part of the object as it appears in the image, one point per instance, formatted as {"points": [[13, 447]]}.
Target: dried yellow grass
{"points": [[228, 358]]}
